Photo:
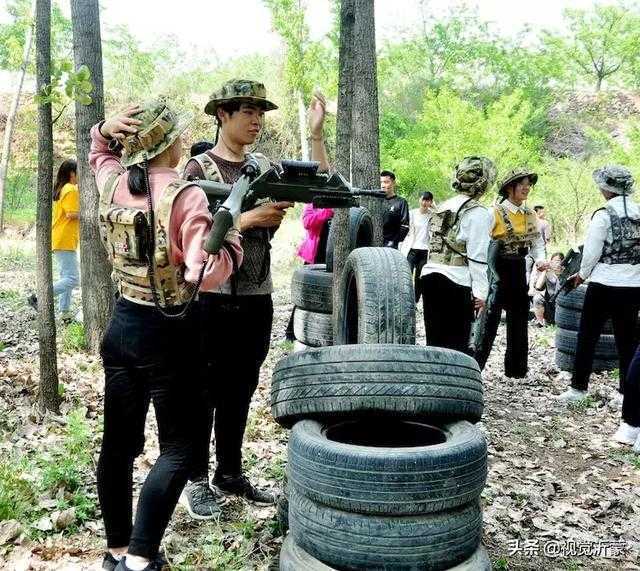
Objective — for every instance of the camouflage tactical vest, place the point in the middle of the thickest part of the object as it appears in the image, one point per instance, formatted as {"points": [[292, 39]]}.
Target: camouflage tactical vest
{"points": [[625, 246], [515, 243], [125, 234], [444, 247]]}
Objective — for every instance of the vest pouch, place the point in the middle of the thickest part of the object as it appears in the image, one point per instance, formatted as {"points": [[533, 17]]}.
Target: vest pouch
{"points": [[128, 233]]}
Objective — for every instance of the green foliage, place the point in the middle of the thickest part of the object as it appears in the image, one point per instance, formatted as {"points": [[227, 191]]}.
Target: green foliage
{"points": [[581, 406], [73, 339], [602, 42], [501, 564], [17, 492], [450, 128], [20, 195]]}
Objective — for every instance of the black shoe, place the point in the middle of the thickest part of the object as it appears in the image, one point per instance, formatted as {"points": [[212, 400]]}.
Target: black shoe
{"points": [[200, 500], [241, 486], [32, 301], [109, 562]]}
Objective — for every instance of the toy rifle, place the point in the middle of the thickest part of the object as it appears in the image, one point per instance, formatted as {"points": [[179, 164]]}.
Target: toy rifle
{"points": [[298, 181], [570, 267], [482, 341]]}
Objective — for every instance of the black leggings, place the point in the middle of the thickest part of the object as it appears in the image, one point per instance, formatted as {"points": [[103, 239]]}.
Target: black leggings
{"points": [[601, 302], [448, 312], [417, 259], [236, 334], [146, 358]]}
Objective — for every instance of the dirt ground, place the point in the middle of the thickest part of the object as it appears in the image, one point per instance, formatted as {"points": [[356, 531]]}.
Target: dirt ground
{"points": [[560, 494]]}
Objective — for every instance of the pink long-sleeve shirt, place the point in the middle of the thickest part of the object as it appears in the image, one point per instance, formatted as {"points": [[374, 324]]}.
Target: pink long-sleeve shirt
{"points": [[313, 220], [189, 223]]}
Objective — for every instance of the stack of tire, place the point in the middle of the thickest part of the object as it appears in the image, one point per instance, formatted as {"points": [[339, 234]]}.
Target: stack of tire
{"points": [[312, 288], [568, 315], [385, 468]]}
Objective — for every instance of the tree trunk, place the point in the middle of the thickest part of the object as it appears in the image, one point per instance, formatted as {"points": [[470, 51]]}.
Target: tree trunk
{"points": [[97, 287], [340, 222], [365, 163], [11, 119], [49, 398], [302, 120], [598, 83]]}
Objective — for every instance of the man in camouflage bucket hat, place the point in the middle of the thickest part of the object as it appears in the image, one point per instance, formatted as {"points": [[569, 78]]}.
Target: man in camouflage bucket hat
{"points": [[243, 90], [515, 226], [611, 263], [454, 280], [238, 318]]}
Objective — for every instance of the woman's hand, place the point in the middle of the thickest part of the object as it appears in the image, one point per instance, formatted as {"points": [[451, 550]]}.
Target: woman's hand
{"points": [[121, 124], [317, 112]]}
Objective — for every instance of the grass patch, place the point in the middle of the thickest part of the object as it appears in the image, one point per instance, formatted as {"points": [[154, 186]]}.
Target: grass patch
{"points": [[73, 339], [501, 564], [277, 468], [11, 297], [627, 457], [582, 405], [17, 255], [61, 472]]}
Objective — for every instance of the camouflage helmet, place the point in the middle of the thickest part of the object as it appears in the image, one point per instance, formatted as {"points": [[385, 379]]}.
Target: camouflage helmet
{"points": [[614, 178], [243, 90], [160, 127], [474, 175], [516, 175]]}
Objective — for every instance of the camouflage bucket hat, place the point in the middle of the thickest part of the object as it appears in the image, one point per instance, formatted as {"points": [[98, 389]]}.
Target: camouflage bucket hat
{"points": [[161, 126], [614, 178], [243, 90], [514, 176], [474, 176]]}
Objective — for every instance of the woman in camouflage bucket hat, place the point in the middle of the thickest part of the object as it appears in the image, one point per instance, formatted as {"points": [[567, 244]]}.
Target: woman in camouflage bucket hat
{"points": [[611, 263], [146, 355], [454, 280]]}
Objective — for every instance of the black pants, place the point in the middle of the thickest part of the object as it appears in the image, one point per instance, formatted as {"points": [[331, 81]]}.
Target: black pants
{"points": [[236, 334], [448, 312], [513, 297], [601, 302], [146, 357], [631, 401], [417, 259]]}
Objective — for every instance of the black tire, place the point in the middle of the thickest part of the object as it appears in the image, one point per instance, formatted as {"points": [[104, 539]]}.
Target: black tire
{"points": [[573, 299], [360, 233], [565, 362], [294, 558], [403, 381], [379, 303], [390, 468], [567, 318], [312, 328], [566, 342], [312, 288], [356, 541]]}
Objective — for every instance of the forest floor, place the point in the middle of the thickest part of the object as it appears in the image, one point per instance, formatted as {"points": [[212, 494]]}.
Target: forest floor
{"points": [[560, 495]]}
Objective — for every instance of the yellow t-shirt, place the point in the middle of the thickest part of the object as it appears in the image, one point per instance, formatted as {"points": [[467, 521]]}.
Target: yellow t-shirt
{"points": [[521, 222], [64, 231]]}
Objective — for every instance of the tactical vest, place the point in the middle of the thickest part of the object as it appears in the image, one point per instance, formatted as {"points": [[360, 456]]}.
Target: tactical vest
{"points": [[212, 172], [444, 247], [125, 235], [515, 243], [625, 245]]}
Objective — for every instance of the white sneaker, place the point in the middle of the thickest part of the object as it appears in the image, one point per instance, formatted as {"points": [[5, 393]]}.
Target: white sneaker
{"points": [[626, 434], [636, 446], [572, 395]]}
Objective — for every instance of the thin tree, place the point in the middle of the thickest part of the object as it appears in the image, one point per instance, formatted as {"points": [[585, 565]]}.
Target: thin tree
{"points": [[49, 397], [340, 222], [97, 287], [365, 163], [13, 113]]}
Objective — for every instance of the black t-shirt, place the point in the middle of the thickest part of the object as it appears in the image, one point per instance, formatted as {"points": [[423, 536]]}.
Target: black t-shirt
{"points": [[396, 220]]}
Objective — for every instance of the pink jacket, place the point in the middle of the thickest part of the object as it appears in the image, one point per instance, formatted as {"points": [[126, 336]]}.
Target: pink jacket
{"points": [[190, 218], [313, 220]]}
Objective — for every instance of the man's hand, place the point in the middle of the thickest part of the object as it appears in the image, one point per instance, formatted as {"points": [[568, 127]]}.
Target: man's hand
{"points": [[478, 304], [575, 280], [317, 112], [543, 266], [121, 124], [267, 215]]}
